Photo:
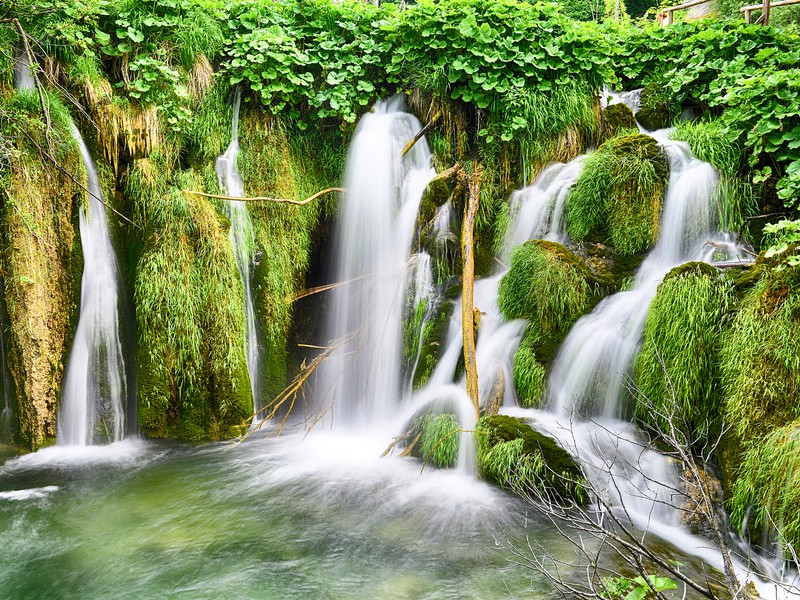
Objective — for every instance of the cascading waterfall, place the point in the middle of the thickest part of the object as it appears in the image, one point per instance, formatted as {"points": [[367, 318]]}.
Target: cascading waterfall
{"points": [[92, 404], [590, 370], [361, 381], [241, 236]]}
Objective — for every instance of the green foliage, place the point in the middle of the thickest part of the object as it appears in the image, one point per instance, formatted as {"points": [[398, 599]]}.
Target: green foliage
{"points": [[519, 458], [530, 376], [619, 193], [440, 440], [189, 305], [550, 287], [759, 361], [676, 370], [783, 236], [767, 492], [637, 588], [658, 107]]}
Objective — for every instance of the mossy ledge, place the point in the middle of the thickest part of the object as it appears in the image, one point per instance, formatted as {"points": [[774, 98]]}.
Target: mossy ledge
{"points": [[517, 457], [551, 287]]}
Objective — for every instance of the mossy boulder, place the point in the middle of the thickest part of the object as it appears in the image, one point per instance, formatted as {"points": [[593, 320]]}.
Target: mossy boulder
{"points": [[617, 198], [517, 457], [759, 361], [551, 287], [657, 108], [767, 492], [424, 339], [677, 369], [618, 118]]}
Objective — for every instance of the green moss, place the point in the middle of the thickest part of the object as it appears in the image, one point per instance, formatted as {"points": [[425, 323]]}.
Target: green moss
{"points": [[618, 194], [439, 441], [619, 118], [767, 493], [40, 256], [759, 361], [658, 107], [676, 370], [550, 287], [271, 166], [210, 130], [517, 457], [530, 376]]}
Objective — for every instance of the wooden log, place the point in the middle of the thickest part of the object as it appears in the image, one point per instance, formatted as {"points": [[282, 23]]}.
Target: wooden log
{"points": [[468, 281]]}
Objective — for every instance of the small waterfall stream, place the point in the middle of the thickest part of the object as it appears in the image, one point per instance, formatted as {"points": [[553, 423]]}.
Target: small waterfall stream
{"points": [[241, 236], [93, 397]]}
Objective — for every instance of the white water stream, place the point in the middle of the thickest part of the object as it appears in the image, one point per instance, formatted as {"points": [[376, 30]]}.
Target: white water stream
{"points": [[360, 383], [93, 396], [241, 236]]}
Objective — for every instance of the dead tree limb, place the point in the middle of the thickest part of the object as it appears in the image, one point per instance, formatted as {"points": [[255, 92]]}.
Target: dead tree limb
{"points": [[266, 199], [419, 135], [468, 278]]}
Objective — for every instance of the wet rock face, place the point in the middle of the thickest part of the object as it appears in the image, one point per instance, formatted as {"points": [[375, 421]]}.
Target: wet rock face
{"points": [[694, 515]]}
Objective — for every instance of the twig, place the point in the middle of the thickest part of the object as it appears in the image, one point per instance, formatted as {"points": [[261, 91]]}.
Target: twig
{"points": [[267, 199], [419, 135]]}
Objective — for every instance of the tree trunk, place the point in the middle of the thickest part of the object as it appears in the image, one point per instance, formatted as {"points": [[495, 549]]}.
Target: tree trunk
{"points": [[468, 280]]}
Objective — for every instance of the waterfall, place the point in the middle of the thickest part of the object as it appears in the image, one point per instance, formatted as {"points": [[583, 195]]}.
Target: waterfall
{"points": [[591, 368], [241, 236], [94, 389], [23, 71], [360, 382]]}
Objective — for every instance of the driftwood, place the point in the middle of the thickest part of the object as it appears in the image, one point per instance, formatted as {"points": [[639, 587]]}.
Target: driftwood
{"points": [[468, 279], [267, 199]]}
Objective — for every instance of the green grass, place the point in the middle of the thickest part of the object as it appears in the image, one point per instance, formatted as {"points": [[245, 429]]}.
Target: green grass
{"points": [[440, 439], [530, 376], [619, 193], [676, 370], [709, 142], [768, 489], [759, 361], [519, 458]]}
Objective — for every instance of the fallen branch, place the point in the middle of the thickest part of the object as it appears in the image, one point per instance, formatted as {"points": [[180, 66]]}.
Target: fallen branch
{"points": [[419, 135], [265, 198], [468, 279]]}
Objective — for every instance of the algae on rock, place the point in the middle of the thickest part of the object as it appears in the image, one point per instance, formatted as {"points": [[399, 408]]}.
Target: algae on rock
{"points": [[517, 457], [41, 259]]}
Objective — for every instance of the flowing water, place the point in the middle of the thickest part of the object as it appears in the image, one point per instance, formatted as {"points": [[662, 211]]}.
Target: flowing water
{"points": [[360, 383], [241, 236], [94, 392]]}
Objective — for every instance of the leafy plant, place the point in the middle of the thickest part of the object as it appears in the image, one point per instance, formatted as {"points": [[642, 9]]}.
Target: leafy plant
{"points": [[782, 236], [637, 588]]}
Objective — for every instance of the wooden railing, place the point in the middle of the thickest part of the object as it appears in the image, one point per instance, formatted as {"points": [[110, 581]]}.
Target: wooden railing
{"points": [[667, 16], [764, 7]]}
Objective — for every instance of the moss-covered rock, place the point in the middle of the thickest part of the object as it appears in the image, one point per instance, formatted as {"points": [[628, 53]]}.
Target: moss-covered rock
{"points": [[618, 195], [657, 107], [424, 339], [551, 287], [759, 362], [767, 492], [41, 259], [618, 118], [517, 457], [676, 371], [437, 439]]}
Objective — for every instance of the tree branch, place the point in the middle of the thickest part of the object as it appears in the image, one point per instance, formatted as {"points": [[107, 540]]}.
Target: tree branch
{"points": [[265, 198]]}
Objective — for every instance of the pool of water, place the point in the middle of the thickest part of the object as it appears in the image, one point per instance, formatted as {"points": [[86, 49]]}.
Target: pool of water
{"points": [[322, 516]]}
